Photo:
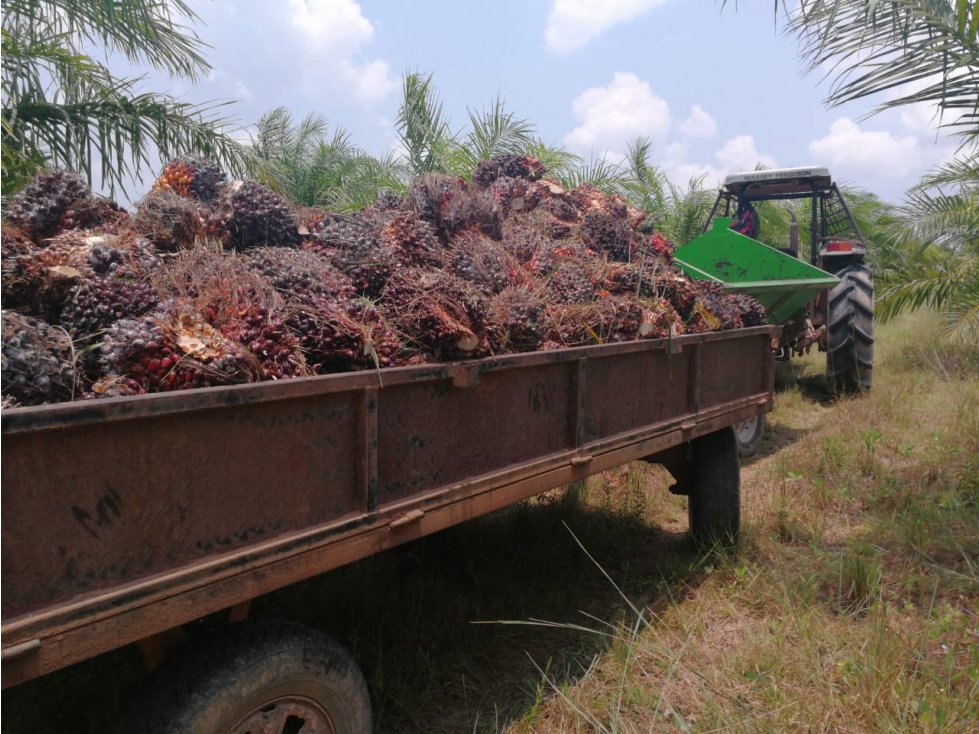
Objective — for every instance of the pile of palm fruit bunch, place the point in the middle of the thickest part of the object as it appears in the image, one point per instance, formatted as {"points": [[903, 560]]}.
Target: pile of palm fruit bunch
{"points": [[213, 282]]}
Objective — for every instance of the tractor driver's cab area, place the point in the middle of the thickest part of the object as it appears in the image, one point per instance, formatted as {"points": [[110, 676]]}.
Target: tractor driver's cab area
{"points": [[839, 242]]}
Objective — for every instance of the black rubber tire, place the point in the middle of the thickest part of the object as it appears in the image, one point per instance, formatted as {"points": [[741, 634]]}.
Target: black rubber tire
{"points": [[850, 331], [749, 434], [246, 672], [714, 502]]}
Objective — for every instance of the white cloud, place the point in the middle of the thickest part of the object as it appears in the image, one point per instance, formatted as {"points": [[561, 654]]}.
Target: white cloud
{"points": [[740, 154], [699, 124], [573, 23], [877, 152], [611, 116], [332, 34]]}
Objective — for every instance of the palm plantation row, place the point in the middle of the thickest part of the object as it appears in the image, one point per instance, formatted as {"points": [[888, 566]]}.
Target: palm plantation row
{"points": [[925, 250]]}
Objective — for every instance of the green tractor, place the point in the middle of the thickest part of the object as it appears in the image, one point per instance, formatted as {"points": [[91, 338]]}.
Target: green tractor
{"points": [[827, 302]]}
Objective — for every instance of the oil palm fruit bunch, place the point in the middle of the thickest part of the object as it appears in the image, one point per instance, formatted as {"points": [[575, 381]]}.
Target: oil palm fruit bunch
{"points": [[340, 334], [265, 334], [516, 321], [38, 365], [512, 166], [173, 348], [95, 211], [437, 312], [412, 239], [252, 215], [355, 247], [102, 300], [191, 176], [482, 261], [577, 279], [300, 276], [631, 278], [39, 208], [37, 280], [715, 309], [606, 232], [751, 311], [679, 290], [169, 221]]}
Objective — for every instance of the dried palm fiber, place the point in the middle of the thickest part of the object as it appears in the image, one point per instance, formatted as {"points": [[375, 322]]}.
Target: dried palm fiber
{"points": [[611, 319], [218, 285]]}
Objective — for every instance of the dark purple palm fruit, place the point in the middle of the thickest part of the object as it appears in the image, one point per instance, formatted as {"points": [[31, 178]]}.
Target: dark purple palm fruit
{"points": [[476, 210], [173, 348], [413, 240], [576, 279], [100, 301], [512, 166], [437, 312], [524, 242], [39, 207], [679, 290], [355, 247], [638, 278], [192, 176], [714, 308], [266, 335], [609, 233], [38, 361], [484, 262], [337, 335], [516, 321], [95, 211], [656, 246], [750, 310], [300, 276], [169, 221], [430, 193], [255, 216]]}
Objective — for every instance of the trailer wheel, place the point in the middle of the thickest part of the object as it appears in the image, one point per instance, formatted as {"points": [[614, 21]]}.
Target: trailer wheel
{"points": [[850, 331], [264, 677], [714, 502], [749, 434]]}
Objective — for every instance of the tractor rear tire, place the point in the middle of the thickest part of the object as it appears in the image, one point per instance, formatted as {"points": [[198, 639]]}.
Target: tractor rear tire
{"points": [[850, 331]]}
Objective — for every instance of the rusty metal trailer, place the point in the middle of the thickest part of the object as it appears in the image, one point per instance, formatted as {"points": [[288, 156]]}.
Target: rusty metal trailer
{"points": [[125, 518]]}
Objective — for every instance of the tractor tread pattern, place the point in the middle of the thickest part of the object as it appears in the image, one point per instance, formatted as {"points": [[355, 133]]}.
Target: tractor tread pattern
{"points": [[850, 325]]}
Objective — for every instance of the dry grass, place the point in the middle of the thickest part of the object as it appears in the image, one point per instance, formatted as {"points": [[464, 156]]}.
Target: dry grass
{"points": [[853, 603]]}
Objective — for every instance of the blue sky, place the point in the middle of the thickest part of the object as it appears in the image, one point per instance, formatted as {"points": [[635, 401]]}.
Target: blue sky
{"points": [[715, 91]]}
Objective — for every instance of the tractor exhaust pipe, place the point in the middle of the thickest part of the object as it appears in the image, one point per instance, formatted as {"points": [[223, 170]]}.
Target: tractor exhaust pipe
{"points": [[793, 235]]}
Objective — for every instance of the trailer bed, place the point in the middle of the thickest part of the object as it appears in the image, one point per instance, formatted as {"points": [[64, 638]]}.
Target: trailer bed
{"points": [[125, 517]]}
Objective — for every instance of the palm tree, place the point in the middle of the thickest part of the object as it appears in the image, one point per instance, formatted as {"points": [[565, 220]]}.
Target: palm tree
{"points": [[919, 51], [941, 220], [311, 167], [62, 107], [926, 50]]}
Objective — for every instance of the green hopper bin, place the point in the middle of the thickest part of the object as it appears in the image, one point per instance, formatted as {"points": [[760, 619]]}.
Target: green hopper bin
{"points": [[784, 284]]}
